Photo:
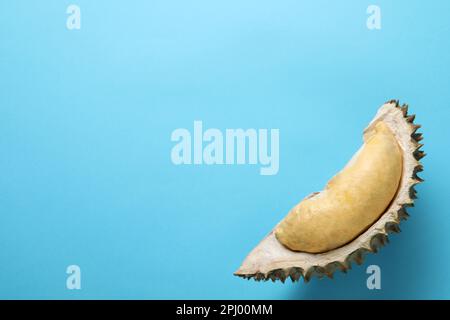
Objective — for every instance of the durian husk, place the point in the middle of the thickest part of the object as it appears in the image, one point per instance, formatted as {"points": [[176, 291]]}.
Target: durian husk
{"points": [[271, 260]]}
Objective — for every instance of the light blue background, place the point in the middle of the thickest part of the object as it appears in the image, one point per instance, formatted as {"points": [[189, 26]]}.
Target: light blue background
{"points": [[86, 118]]}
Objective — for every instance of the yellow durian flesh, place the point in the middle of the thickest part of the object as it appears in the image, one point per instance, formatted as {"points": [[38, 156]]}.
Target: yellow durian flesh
{"points": [[351, 201]]}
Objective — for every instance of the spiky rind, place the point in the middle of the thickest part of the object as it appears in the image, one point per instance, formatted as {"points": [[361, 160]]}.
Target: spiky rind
{"points": [[377, 240]]}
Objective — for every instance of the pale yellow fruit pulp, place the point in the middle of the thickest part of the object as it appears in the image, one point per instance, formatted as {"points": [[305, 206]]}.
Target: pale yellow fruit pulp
{"points": [[351, 201]]}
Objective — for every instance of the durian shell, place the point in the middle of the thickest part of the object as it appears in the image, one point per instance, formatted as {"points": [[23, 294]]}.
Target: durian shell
{"points": [[271, 260]]}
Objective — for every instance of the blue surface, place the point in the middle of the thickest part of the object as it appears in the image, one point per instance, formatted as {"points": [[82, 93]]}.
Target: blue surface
{"points": [[85, 123]]}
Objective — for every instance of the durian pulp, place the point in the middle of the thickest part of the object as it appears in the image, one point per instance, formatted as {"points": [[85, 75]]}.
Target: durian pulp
{"points": [[351, 201]]}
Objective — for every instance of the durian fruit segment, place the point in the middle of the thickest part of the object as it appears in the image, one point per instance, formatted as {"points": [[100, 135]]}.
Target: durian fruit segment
{"points": [[272, 260]]}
